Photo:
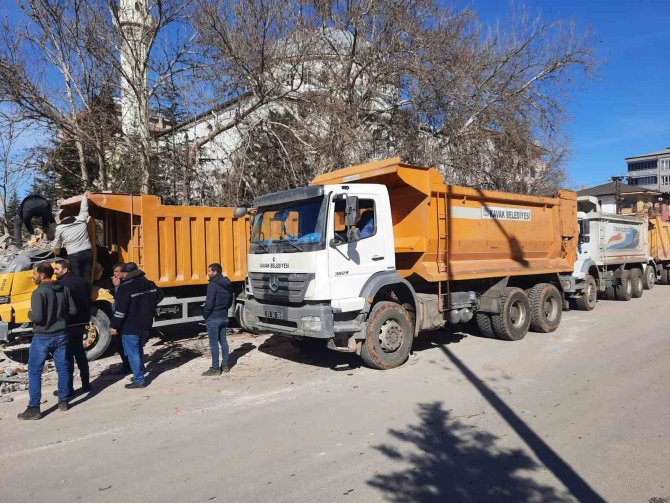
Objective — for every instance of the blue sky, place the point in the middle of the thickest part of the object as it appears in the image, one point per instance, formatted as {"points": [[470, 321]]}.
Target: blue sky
{"points": [[625, 110]]}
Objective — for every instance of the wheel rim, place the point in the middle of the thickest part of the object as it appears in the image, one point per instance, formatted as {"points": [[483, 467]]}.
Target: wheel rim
{"points": [[591, 292], [651, 276], [390, 336], [517, 314], [629, 287], [550, 308], [90, 336]]}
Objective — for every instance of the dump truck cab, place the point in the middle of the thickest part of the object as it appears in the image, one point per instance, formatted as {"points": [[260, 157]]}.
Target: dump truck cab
{"points": [[312, 252]]}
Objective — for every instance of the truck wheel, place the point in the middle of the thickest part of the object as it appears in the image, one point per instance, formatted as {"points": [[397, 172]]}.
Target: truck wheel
{"points": [[649, 277], [636, 283], [512, 323], [665, 277], [484, 325], [624, 289], [546, 307], [587, 301], [388, 336], [97, 336]]}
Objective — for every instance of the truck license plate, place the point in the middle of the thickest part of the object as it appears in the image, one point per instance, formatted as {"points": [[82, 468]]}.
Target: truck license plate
{"points": [[274, 315]]}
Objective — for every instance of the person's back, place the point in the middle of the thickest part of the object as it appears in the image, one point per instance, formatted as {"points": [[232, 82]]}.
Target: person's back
{"points": [[72, 233], [80, 290], [136, 299], [219, 298], [50, 308]]}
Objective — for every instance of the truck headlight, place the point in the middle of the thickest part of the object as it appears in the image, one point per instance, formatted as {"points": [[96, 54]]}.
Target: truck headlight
{"points": [[311, 324]]}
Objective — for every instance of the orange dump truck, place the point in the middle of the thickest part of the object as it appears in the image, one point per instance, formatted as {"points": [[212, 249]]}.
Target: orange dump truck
{"points": [[659, 248], [368, 256], [172, 244]]}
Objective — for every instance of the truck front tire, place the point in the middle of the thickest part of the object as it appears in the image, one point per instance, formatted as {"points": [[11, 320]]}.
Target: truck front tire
{"points": [[649, 278], [388, 337], [546, 307], [512, 323], [97, 335], [587, 301]]}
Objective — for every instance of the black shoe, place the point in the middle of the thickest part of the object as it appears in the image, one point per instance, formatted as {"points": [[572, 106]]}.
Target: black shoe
{"points": [[134, 385], [30, 414], [212, 372], [63, 406], [225, 369]]}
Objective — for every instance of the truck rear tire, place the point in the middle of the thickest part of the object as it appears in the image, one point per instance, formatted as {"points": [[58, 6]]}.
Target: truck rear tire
{"points": [[484, 325], [649, 277], [546, 307], [388, 336], [512, 323], [587, 301], [665, 277], [97, 335], [624, 289], [636, 283]]}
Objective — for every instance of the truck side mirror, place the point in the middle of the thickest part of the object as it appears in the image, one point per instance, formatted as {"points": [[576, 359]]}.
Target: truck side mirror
{"points": [[351, 211]]}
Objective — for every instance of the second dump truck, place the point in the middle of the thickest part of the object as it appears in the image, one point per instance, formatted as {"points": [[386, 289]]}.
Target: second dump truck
{"points": [[172, 244], [368, 256]]}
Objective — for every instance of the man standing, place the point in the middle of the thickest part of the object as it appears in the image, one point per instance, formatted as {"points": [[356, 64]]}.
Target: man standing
{"points": [[134, 308], [50, 306], [215, 312], [118, 343], [81, 295], [72, 233]]}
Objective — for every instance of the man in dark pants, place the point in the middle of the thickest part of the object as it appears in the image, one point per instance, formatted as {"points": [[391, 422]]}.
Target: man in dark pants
{"points": [[76, 328], [50, 306], [215, 312], [72, 233], [118, 343], [134, 308]]}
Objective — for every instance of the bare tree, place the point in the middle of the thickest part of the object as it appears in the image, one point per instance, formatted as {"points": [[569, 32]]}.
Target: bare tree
{"points": [[15, 163]]}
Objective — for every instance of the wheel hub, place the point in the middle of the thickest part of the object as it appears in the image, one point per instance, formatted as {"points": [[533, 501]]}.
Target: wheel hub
{"points": [[390, 336], [90, 336], [516, 314]]}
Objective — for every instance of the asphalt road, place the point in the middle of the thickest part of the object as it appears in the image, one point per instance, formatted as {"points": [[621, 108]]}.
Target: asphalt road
{"points": [[581, 414]]}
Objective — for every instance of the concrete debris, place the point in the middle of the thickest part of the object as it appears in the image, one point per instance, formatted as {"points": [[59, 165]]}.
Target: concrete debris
{"points": [[6, 398], [9, 372]]}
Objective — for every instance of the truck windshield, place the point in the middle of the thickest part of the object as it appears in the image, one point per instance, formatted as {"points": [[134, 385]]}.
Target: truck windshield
{"points": [[290, 228]]}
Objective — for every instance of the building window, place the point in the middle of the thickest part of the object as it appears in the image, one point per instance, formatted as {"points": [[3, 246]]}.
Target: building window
{"points": [[665, 179], [665, 163], [637, 166], [644, 180]]}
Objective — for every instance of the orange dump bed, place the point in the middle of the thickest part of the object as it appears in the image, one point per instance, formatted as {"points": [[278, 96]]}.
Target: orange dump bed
{"points": [[450, 232], [172, 244], [659, 239]]}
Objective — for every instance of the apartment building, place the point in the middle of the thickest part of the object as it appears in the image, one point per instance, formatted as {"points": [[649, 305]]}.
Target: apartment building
{"points": [[650, 171]]}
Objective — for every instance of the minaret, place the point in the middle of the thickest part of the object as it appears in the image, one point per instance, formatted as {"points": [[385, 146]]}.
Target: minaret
{"points": [[135, 24]]}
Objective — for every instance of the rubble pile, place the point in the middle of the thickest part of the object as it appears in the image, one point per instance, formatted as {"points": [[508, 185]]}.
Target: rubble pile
{"points": [[35, 247]]}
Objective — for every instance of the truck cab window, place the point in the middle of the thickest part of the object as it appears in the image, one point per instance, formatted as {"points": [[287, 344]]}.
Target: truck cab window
{"points": [[365, 222]]}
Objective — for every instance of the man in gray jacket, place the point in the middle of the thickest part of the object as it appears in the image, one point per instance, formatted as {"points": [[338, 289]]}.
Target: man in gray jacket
{"points": [[50, 306], [72, 234]]}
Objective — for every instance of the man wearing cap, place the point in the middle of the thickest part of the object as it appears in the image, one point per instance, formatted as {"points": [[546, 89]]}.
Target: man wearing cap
{"points": [[72, 234], [134, 308]]}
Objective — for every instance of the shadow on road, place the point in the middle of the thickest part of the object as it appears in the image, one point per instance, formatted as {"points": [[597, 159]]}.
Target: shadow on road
{"points": [[309, 353], [451, 461]]}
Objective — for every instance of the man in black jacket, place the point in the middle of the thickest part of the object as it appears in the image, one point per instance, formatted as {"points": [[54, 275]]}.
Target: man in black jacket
{"points": [[215, 312], [50, 306], [134, 308], [80, 290]]}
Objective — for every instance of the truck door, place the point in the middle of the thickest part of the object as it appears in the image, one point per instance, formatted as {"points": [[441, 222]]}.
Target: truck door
{"points": [[351, 263]]}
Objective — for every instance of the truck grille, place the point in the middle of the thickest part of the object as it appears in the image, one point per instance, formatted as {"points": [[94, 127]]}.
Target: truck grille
{"points": [[287, 287]]}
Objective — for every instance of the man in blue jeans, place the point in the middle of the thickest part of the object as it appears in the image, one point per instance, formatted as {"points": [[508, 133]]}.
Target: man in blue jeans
{"points": [[219, 299], [50, 307], [134, 308]]}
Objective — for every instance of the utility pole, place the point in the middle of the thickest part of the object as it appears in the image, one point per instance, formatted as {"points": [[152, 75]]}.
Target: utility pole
{"points": [[617, 191]]}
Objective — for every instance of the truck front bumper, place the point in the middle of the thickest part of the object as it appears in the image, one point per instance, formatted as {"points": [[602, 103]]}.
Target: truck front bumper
{"points": [[313, 320]]}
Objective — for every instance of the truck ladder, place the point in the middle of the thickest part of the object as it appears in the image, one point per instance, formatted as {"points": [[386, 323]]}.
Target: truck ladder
{"points": [[136, 234], [442, 258]]}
